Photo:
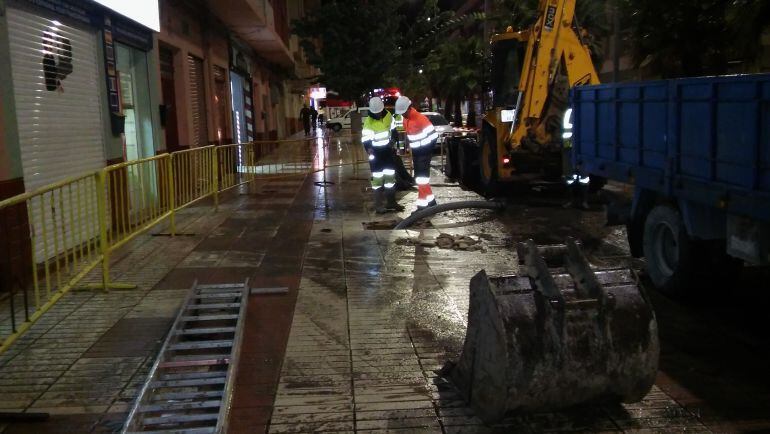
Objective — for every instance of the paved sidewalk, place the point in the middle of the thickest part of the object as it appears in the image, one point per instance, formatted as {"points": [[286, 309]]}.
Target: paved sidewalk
{"points": [[84, 361]]}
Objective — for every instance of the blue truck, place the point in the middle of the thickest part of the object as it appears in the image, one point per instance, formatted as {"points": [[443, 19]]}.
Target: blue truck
{"points": [[697, 151]]}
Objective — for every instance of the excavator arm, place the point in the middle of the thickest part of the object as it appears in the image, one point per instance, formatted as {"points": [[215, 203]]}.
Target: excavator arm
{"points": [[554, 50], [532, 72]]}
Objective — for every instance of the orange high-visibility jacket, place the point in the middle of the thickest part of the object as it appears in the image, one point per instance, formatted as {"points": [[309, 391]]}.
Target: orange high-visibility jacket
{"points": [[419, 129]]}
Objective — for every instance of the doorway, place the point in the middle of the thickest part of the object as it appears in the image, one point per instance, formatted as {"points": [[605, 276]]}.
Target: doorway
{"points": [[238, 104], [138, 143], [220, 95], [135, 102], [168, 89]]}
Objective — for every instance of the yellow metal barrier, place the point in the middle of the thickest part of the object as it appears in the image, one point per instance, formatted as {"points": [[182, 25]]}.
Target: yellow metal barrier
{"points": [[75, 225], [65, 235], [246, 162], [138, 197], [193, 175]]}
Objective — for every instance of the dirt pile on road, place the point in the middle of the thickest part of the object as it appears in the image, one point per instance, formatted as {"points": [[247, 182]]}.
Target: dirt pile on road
{"points": [[446, 241]]}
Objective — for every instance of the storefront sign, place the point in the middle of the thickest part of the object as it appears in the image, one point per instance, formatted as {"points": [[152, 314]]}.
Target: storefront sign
{"points": [[129, 33], [75, 10], [109, 63], [318, 92], [144, 12]]}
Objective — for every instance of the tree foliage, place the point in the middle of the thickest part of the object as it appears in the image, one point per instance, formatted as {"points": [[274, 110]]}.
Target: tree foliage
{"points": [[363, 44], [455, 70], [674, 39], [747, 20], [352, 42]]}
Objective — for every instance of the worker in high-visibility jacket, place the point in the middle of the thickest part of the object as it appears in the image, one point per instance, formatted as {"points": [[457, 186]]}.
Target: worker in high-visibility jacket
{"points": [[376, 137], [422, 137]]}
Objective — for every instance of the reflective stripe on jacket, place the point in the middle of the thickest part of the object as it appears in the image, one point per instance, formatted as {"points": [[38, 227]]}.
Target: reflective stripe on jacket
{"points": [[419, 129], [377, 131]]}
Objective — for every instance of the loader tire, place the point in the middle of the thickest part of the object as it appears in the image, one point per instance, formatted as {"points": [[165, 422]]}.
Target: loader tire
{"points": [[669, 251], [488, 163]]}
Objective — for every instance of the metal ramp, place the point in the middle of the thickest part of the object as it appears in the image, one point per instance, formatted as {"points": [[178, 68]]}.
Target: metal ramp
{"points": [[190, 385]]}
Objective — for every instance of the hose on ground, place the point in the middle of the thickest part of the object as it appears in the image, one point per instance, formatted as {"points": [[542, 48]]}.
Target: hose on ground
{"points": [[427, 212]]}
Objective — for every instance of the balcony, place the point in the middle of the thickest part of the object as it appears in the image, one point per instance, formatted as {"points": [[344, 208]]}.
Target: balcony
{"points": [[257, 23]]}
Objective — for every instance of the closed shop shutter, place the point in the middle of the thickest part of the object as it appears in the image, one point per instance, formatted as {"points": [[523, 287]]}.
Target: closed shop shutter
{"points": [[55, 70], [58, 106], [197, 102]]}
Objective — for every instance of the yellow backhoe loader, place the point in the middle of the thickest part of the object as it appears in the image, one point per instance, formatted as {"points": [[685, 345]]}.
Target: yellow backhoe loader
{"points": [[532, 71], [560, 331]]}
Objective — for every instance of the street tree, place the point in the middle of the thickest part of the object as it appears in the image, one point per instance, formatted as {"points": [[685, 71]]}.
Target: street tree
{"points": [[748, 20], [353, 43], [676, 39], [455, 71]]}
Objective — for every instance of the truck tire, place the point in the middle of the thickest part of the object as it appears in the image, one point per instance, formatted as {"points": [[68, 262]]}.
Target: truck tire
{"points": [[669, 251], [488, 174], [450, 160], [465, 156]]}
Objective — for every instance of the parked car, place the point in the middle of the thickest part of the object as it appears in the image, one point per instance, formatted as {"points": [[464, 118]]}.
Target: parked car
{"points": [[337, 124], [442, 125]]}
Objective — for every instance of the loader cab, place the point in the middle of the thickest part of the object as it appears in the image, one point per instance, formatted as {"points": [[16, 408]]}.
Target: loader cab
{"points": [[507, 59]]}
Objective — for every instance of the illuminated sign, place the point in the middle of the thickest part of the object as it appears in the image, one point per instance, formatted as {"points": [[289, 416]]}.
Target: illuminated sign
{"points": [[144, 12], [318, 93]]}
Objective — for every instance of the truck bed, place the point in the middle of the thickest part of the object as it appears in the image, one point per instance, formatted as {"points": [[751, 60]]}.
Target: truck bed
{"points": [[703, 139]]}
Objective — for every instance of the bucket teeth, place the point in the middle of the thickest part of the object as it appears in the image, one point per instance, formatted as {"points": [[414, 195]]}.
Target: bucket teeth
{"points": [[558, 334]]}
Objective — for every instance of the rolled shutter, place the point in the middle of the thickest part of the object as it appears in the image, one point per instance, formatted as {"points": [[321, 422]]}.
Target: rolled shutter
{"points": [[197, 102], [56, 84]]}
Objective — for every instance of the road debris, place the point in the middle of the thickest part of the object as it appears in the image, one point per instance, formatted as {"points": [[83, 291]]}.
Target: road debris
{"points": [[446, 241]]}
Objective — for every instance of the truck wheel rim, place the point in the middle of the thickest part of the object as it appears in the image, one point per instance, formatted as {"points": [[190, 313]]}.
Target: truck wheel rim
{"points": [[666, 249]]}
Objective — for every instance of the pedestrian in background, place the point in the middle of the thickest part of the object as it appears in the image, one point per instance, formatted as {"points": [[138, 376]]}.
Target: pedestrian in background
{"points": [[422, 137], [305, 114], [314, 117]]}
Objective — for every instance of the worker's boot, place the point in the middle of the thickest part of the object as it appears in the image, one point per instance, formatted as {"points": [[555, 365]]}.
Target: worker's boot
{"points": [[392, 204], [379, 201]]}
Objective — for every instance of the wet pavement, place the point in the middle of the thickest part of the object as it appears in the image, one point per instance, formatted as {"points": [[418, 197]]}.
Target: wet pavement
{"points": [[380, 311], [370, 317]]}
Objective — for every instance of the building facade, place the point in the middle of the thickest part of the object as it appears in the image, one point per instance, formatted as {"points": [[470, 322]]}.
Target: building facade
{"points": [[83, 85], [229, 73]]}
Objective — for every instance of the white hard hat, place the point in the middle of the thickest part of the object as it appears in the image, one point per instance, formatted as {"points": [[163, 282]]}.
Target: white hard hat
{"points": [[376, 105], [402, 105]]}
